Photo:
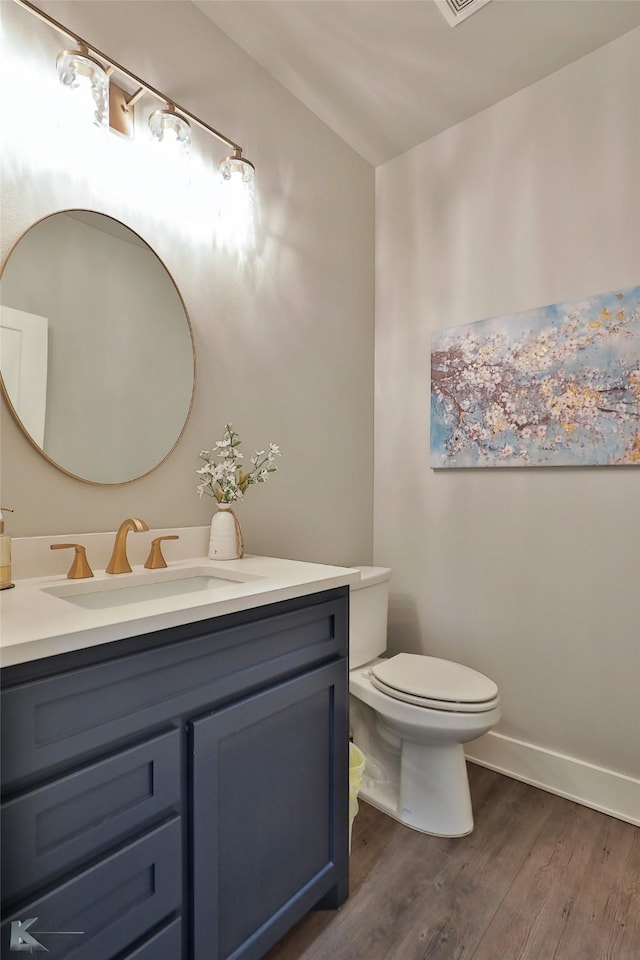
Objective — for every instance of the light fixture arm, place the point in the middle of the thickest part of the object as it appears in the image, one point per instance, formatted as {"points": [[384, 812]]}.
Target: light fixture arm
{"points": [[144, 87], [133, 99]]}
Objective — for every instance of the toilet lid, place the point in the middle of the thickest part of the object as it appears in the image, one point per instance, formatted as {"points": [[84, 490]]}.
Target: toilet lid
{"points": [[435, 683]]}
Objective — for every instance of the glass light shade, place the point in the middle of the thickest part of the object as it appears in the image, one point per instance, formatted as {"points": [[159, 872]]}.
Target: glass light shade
{"points": [[170, 129], [236, 167], [87, 78]]}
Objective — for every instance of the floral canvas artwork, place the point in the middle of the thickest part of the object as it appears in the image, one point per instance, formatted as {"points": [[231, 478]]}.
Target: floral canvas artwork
{"points": [[554, 386]]}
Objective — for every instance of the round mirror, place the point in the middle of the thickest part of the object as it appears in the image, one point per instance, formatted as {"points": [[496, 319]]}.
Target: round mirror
{"points": [[97, 359]]}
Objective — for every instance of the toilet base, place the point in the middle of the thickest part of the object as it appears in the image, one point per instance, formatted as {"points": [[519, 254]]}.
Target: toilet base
{"points": [[434, 795], [385, 805], [434, 790]]}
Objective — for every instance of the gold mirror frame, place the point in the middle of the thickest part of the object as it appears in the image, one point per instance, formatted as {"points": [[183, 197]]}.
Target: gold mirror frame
{"points": [[5, 392]]}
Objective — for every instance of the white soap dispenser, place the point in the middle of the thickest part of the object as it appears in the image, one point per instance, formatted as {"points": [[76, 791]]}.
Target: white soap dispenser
{"points": [[5, 554]]}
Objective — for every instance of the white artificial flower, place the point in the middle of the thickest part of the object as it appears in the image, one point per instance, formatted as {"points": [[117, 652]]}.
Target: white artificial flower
{"points": [[222, 475]]}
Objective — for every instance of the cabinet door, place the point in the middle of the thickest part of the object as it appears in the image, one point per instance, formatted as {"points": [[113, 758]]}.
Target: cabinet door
{"points": [[269, 791]]}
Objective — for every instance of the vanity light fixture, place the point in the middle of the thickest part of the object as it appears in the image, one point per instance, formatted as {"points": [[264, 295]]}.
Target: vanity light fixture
{"points": [[170, 124]]}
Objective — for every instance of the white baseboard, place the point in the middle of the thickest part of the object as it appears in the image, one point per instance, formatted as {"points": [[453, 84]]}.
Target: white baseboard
{"points": [[605, 790]]}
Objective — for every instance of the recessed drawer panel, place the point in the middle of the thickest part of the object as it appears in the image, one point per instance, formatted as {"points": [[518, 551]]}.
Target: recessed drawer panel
{"points": [[56, 827], [166, 945], [48, 723], [104, 910]]}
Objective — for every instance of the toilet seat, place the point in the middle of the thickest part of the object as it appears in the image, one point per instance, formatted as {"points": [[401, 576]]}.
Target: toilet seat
{"points": [[434, 683]]}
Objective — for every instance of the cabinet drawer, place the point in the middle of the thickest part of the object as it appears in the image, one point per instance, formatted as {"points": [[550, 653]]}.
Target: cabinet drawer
{"points": [[52, 829], [49, 723], [166, 945], [113, 904]]}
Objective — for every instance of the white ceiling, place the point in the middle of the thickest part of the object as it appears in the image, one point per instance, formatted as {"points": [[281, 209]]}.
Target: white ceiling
{"points": [[388, 74]]}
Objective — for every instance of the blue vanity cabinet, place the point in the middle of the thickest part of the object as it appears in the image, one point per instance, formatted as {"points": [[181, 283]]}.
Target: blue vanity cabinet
{"points": [[269, 778], [180, 795]]}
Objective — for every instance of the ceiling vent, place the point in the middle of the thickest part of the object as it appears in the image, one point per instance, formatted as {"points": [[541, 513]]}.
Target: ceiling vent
{"points": [[455, 11]]}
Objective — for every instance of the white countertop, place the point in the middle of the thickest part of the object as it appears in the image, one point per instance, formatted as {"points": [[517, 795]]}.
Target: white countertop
{"points": [[35, 623]]}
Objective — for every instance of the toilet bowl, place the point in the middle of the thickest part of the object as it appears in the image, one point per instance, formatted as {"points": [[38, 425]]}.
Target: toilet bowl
{"points": [[410, 715]]}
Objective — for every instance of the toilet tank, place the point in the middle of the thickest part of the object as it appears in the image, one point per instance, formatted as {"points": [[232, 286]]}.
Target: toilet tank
{"points": [[368, 606]]}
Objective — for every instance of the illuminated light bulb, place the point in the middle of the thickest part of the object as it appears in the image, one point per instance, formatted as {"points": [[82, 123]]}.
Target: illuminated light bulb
{"points": [[171, 130], [236, 203], [78, 71], [237, 167]]}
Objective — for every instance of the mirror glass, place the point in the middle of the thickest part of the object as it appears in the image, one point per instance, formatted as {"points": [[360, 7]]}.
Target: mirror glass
{"points": [[96, 349]]}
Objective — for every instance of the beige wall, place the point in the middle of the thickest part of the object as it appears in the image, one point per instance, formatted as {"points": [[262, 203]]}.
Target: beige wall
{"points": [[284, 338], [530, 575]]}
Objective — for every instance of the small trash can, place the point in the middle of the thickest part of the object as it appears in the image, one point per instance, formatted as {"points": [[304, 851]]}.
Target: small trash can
{"points": [[356, 769]]}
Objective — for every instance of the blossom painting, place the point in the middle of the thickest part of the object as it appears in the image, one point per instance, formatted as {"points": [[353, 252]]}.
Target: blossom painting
{"points": [[554, 386]]}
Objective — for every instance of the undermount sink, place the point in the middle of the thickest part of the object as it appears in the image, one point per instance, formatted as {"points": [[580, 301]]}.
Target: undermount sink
{"points": [[140, 587]]}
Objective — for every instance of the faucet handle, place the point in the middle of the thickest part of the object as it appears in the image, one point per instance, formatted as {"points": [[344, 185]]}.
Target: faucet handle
{"points": [[79, 569], [155, 560]]}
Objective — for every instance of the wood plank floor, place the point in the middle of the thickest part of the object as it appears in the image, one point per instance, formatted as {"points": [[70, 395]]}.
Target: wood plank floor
{"points": [[540, 878]]}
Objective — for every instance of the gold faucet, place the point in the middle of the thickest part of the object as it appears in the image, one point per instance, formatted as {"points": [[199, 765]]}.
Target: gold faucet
{"points": [[119, 562]]}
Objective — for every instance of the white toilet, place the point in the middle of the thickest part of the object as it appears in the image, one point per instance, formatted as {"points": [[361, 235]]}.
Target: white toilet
{"points": [[410, 715]]}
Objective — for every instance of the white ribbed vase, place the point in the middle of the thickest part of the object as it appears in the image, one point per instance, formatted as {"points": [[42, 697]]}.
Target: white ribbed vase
{"points": [[225, 539]]}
